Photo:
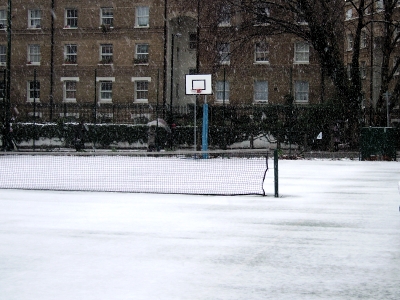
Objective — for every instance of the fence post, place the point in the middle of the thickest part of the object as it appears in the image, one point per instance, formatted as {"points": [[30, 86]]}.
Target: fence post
{"points": [[276, 173]]}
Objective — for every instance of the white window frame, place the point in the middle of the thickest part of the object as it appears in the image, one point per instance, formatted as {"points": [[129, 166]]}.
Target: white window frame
{"points": [[192, 40], [219, 87], [34, 55], [379, 5], [70, 57], [3, 19], [301, 91], [364, 39], [224, 53], [142, 54], [101, 81], [225, 15], [349, 14], [31, 91], [348, 70], [71, 21], [106, 54], [363, 69], [34, 18], [139, 93], [3, 55], [261, 52], [142, 17], [66, 81], [350, 42], [2, 88], [261, 91], [107, 16], [263, 12], [395, 59], [301, 53]]}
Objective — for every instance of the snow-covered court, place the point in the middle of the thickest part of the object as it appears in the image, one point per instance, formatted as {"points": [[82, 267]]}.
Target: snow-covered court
{"points": [[334, 233]]}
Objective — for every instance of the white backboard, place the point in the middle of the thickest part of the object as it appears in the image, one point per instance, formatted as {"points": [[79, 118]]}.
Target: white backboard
{"points": [[199, 84]]}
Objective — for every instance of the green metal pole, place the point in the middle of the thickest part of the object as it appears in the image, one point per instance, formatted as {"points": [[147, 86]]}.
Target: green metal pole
{"points": [[276, 173]]}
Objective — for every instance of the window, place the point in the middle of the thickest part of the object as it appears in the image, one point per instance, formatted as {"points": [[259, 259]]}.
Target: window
{"points": [[34, 54], [349, 42], [106, 91], [34, 18], [106, 53], [71, 18], [261, 54], [262, 13], [192, 41], [301, 52], [70, 54], [396, 67], [301, 91], [301, 14], [33, 91], [261, 91], [349, 68], [222, 88], [349, 14], [364, 39], [107, 16], [363, 70], [3, 19], [142, 54], [3, 55], [224, 53], [225, 15], [2, 89], [69, 88], [379, 5], [141, 89], [142, 16]]}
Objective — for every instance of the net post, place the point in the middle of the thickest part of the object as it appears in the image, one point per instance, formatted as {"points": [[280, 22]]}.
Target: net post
{"points": [[276, 173]]}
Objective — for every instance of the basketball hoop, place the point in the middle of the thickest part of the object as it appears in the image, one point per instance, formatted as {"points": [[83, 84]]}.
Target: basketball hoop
{"points": [[196, 91]]}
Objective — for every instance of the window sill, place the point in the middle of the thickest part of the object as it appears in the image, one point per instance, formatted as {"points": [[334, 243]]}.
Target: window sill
{"points": [[261, 24], [69, 27], [261, 63], [33, 64], [301, 62], [69, 64], [33, 101], [140, 64], [260, 102], [34, 28], [69, 101], [105, 64], [301, 102], [222, 101], [105, 101], [137, 26], [140, 101]]}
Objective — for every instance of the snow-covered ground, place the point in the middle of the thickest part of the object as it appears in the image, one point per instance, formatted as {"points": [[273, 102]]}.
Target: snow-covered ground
{"points": [[334, 233]]}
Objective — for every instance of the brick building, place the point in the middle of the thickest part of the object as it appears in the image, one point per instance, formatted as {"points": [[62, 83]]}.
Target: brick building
{"points": [[66, 54], [378, 36]]}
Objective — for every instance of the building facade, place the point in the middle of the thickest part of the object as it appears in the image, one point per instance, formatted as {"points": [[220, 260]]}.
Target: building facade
{"points": [[66, 54], [379, 51]]}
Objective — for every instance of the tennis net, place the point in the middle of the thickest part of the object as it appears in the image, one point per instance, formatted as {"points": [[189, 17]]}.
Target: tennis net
{"points": [[211, 173]]}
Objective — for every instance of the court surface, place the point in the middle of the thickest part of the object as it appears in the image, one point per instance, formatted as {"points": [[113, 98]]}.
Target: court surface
{"points": [[334, 233]]}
